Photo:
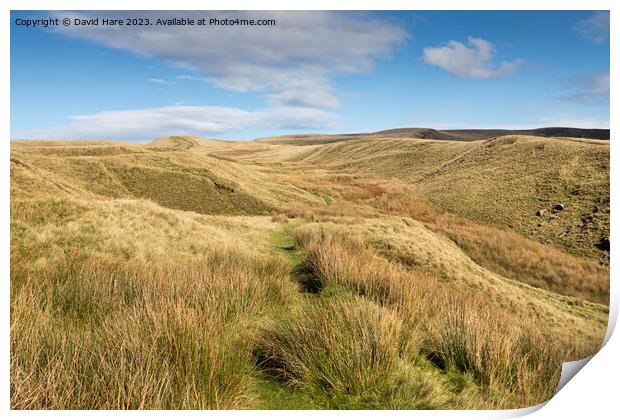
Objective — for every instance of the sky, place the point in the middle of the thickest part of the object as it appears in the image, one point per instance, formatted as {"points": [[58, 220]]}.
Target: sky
{"points": [[313, 72]]}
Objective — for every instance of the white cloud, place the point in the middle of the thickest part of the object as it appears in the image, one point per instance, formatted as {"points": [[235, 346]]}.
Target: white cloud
{"points": [[141, 124], [595, 28], [290, 63], [194, 78], [472, 62], [158, 81]]}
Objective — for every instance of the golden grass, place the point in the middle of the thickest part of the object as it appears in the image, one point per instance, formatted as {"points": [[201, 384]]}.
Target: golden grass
{"points": [[407, 205], [528, 261], [98, 333], [517, 365], [345, 351], [173, 177], [169, 275], [510, 359], [502, 181], [500, 250]]}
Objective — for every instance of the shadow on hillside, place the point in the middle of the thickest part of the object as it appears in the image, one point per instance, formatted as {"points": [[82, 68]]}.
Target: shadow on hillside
{"points": [[307, 280]]}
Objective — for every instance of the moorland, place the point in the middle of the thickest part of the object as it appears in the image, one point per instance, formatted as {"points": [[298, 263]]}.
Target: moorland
{"points": [[405, 269]]}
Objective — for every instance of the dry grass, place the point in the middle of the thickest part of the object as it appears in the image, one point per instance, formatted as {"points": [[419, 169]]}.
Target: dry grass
{"points": [[336, 212], [528, 261], [512, 362], [121, 298], [516, 364], [506, 252], [175, 176], [347, 352], [407, 205], [97, 333], [502, 181]]}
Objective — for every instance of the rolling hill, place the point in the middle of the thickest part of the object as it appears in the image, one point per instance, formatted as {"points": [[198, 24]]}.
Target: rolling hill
{"points": [[504, 181], [196, 273], [433, 134]]}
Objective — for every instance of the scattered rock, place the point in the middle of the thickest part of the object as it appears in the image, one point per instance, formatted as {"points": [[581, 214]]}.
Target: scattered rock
{"points": [[603, 244], [224, 186], [558, 207], [540, 212]]}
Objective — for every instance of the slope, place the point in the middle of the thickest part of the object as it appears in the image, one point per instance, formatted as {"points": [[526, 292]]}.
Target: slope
{"points": [[504, 181], [171, 176]]}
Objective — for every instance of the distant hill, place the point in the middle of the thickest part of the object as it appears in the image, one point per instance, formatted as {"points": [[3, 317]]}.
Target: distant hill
{"points": [[174, 172], [501, 181], [484, 134], [432, 134]]}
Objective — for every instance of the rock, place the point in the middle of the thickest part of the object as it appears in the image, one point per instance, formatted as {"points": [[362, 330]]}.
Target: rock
{"points": [[558, 207], [603, 244], [223, 186], [540, 212]]}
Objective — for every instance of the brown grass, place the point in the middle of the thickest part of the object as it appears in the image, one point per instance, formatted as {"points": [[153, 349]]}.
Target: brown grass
{"points": [[125, 293], [96, 333], [506, 252], [346, 351], [407, 205], [456, 329], [528, 261], [337, 212], [501, 181]]}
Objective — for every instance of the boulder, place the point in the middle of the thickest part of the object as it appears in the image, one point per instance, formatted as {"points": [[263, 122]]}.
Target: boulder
{"points": [[603, 244]]}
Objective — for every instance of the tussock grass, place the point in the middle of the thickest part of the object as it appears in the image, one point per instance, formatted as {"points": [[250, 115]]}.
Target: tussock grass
{"points": [[501, 181], [508, 253], [97, 333], [336, 212], [163, 276], [523, 259], [515, 363], [346, 352], [341, 260], [407, 205], [510, 359]]}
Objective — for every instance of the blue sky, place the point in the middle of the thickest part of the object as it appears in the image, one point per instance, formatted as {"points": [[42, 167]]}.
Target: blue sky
{"points": [[313, 72]]}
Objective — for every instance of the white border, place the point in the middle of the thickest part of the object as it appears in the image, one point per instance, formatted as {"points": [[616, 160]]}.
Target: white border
{"points": [[592, 394]]}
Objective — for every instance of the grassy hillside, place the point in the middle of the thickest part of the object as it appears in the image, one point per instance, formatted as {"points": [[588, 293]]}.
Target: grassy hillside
{"points": [[371, 273], [432, 134], [504, 181], [485, 134], [168, 174]]}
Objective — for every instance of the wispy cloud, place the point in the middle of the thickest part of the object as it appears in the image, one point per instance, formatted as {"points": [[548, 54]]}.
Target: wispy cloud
{"points": [[291, 63], [159, 81], [142, 124], [472, 62], [591, 89], [572, 120], [595, 28], [194, 78]]}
